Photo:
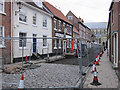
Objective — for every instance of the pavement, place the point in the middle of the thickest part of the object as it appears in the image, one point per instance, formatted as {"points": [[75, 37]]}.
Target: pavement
{"points": [[106, 75]]}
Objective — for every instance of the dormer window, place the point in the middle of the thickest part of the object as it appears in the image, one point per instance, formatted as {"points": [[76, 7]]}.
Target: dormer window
{"points": [[70, 17], [38, 3]]}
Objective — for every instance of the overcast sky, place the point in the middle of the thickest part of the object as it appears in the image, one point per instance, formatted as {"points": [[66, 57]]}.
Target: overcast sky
{"points": [[89, 10]]}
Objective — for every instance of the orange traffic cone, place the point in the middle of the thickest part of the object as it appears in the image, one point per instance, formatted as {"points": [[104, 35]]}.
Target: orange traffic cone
{"points": [[93, 68], [96, 59], [97, 63], [21, 84], [95, 79]]}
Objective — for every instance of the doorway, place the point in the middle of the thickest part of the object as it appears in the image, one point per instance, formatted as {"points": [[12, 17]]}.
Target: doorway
{"points": [[34, 43]]}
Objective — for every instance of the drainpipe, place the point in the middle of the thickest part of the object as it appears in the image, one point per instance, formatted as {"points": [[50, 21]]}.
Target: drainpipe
{"points": [[11, 31]]}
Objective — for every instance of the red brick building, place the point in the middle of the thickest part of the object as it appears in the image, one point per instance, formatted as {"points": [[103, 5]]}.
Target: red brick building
{"points": [[5, 30], [84, 32], [114, 34], [60, 26]]}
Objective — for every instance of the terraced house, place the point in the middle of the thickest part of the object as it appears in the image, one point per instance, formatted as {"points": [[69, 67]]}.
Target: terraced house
{"points": [[62, 27], [84, 32], [5, 31], [24, 19], [114, 34]]}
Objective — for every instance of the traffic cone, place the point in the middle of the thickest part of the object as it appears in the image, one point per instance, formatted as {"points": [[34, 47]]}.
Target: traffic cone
{"points": [[21, 84], [96, 58], [95, 79], [97, 63], [93, 68]]}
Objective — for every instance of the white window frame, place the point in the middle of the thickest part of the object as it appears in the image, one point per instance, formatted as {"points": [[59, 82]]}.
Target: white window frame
{"points": [[44, 22], [3, 7], [44, 41], [34, 18], [70, 17], [55, 44], [21, 20], [55, 24], [59, 43], [64, 26], [59, 25], [3, 35], [21, 41], [67, 28]]}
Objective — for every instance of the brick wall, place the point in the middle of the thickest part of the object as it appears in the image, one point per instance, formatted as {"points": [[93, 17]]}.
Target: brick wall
{"points": [[6, 22], [114, 26]]}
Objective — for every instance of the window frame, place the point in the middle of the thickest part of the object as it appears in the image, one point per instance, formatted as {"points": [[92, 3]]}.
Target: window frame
{"points": [[44, 22], [34, 18], [55, 24], [67, 28], [25, 18], [24, 45], [59, 25], [70, 17], [3, 6], [44, 41], [2, 35]]}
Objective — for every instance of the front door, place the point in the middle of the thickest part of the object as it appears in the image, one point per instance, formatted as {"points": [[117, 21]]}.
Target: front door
{"points": [[64, 46], [34, 43]]}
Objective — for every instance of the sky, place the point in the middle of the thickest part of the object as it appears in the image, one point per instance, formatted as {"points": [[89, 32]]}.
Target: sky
{"points": [[88, 10]]}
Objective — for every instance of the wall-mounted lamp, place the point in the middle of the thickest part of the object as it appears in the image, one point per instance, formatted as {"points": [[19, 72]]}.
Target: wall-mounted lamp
{"points": [[19, 5]]}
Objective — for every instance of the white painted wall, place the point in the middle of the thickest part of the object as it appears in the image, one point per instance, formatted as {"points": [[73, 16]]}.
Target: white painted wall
{"points": [[30, 29]]}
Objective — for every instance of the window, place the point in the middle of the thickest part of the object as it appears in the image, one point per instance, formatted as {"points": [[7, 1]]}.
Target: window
{"points": [[22, 36], [59, 43], [1, 35], [100, 32], [59, 25], [55, 24], [22, 17], [44, 40], [34, 19], [63, 26], [70, 17], [44, 22], [99, 40], [67, 28], [104, 31], [55, 44], [2, 6]]}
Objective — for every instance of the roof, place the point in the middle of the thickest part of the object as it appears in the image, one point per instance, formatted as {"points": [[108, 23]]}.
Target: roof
{"points": [[75, 30], [93, 25], [33, 4], [56, 12]]}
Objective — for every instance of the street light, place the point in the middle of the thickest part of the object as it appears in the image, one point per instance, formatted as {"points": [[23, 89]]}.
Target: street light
{"points": [[19, 5]]}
